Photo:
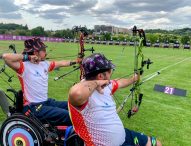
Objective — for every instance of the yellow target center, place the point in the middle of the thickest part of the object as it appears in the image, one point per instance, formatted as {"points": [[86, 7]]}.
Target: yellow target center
{"points": [[19, 142]]}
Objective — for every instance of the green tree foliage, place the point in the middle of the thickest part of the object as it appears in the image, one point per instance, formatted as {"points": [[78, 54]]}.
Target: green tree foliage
{"points": [[185, 39], [151, 37], [107, 36], [22, 32], [183, 31], [67, 33], [12, 26], [38, 31], [2, 31], [121, 37]]}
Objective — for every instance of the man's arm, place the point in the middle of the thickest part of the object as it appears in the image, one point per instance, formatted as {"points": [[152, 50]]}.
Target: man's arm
{"points": [[65, 63], [12, 60], [122, 83], [79, 93]]}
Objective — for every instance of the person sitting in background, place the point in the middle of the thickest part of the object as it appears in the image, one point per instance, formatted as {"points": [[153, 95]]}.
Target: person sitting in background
{"points": [[32, 69], [93, 110]]}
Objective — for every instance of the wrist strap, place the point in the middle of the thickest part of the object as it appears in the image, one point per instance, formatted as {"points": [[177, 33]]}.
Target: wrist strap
{"points": [[72, 63]]}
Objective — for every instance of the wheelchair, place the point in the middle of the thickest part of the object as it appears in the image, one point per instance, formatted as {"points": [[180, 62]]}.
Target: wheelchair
{"points": [[24, 129]]}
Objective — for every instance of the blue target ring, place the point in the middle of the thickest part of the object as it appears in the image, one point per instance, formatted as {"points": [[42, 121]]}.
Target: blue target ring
{"points": [[20, 133]]}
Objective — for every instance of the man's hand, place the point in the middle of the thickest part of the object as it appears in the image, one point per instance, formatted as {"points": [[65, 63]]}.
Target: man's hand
{"points": [[34, 59], [136, 77], [101, 84]]}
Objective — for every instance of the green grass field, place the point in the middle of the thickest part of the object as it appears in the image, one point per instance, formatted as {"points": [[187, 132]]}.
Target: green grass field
{"points": [[168, 117]]}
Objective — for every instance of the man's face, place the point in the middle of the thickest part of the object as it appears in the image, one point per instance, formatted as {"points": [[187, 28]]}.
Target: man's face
{"points": [[107, 74], [42, 54]]}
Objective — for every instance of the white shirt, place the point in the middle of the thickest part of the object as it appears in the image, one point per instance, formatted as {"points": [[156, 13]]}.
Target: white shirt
{"points": [[98, 122], [34, 80]]}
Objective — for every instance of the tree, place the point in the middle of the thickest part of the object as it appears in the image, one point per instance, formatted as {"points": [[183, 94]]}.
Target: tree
{"points": [[151, 37], [38, 31], [121, 37], [58, 34], [107, 36], [185, 39], [67, 33]]}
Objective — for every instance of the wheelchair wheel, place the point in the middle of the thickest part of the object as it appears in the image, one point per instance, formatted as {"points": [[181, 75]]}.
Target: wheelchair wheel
{"points": [[74, 140], [19, 130]]}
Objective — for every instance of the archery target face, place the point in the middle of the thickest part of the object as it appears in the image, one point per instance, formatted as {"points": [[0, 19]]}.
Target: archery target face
{"points": [[18, 133]]}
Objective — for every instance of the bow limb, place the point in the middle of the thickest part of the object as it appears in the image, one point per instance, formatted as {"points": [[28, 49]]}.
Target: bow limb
{"points": [[3, 66], [83, 34], [82, 31], [81, 54]]}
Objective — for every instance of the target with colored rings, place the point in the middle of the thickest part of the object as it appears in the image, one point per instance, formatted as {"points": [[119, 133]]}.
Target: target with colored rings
{"points": [[20, 132], [20, 136]]}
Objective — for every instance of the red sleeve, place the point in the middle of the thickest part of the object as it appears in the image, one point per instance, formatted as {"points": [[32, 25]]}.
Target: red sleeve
{"points": [[52, 66], [115, 86], [21, 69]]}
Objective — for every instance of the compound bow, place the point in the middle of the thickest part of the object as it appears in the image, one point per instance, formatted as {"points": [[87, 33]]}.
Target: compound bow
{"points": [[139, 63], [83, 33]]}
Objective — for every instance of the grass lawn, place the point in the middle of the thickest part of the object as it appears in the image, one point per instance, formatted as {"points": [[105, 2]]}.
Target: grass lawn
{"points": [[168, 117]]}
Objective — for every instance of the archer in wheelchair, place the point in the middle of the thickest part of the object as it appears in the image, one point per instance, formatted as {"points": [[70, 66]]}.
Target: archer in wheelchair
{"points": [[25, 129], [32, 69]]}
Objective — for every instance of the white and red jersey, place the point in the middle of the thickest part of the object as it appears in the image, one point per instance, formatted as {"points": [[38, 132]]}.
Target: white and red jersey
{"points": [[34, 80], [97, 121]]}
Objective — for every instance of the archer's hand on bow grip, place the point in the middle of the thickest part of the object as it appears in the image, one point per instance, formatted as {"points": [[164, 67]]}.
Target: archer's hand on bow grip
{"points": [[136, 77]]}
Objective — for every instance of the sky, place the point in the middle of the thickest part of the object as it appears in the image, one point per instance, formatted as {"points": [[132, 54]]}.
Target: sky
{"points": [[62, 14]]}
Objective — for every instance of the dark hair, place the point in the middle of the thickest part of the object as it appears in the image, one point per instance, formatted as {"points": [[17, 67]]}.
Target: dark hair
{"points": [[34, 44], [28, 53], [93, 75]]}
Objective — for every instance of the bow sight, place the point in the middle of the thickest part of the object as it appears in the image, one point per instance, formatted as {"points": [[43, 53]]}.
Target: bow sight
{"points": [[147, 62]]}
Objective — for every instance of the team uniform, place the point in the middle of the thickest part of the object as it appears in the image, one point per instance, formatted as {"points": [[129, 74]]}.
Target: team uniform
{"points": [[34, 82], [92, 121]]}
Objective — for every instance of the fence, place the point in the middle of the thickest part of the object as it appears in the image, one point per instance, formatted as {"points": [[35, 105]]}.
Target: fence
{"points": [[22, 38]]}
